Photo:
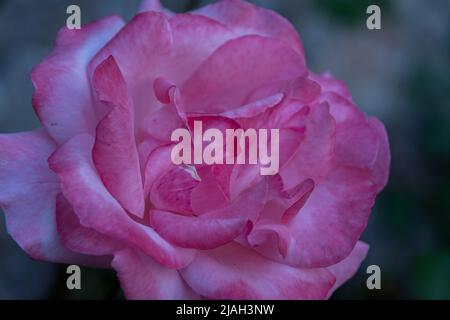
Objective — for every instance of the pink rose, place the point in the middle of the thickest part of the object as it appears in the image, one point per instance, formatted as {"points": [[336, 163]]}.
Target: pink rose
{"points": [[96, 185]]}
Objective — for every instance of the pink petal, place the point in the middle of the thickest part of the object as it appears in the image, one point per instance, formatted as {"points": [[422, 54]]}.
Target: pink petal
{"points": [[151, 46], [270, 237], [239, 66], [347, 268], [115, 153], [162, 88], [151, 5], [254, 108], [380, 167], [154, 5], [62, 99], [194, 39], [360, 141], [247, 204], [197, 232], [140, 49], [28, 197], [331, 85], [168, 186], [98, 210], [142, 278], [161, 123], [270, 234], [246, 19], [305, 90], [78, 238], [234, 272], [158, 162], [330, 223], [172, 191], [313, 157]]}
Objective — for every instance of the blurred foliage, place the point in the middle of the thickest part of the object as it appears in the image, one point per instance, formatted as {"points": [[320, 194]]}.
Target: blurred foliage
{"points": [[429, 93], [349, 11], [431, 276]]}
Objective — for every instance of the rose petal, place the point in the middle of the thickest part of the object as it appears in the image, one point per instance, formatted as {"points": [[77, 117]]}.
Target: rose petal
{"points": [[115, 153], [172, 191], [158, 162], [139, 50], [239, 66], [330, 223], [347, 268], [98, 210], [187, 51], [254, 108], [313, 157], [78, 238], [161, 123], [360, 141], [248, 204], [380, 167], [151, 5], [234, 272], [248, 19], [28, 197], [197, 232], [63, 100], [142, 278]]}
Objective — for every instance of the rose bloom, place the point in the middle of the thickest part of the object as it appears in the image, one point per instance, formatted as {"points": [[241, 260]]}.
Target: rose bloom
{"points": [[96, 186]]}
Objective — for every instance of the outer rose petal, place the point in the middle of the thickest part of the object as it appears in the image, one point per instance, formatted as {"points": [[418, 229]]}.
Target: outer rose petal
{"points": [[380, 167], [98, 210], [78, 238], [360, 141], [154, 5], [246, 19], [329, 84], [63, 100], [328, 226], [28, 196], [375, 145], [346, 269], [187, 51], [152, 46], [139, 49], [151, 5], [142, 278], [115, 153], [234, 272]]}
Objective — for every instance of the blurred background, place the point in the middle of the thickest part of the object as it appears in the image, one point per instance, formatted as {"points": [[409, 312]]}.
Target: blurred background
{"points": [[401, 74]]}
